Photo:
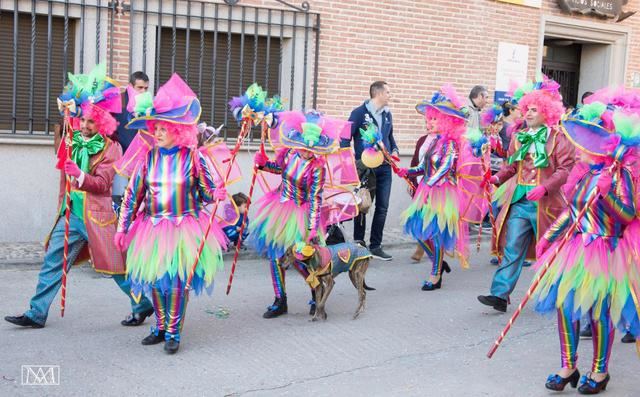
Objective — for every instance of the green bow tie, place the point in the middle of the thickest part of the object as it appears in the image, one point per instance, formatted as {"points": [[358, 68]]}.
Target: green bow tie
{"points": [[538, 140], [82, 150]]}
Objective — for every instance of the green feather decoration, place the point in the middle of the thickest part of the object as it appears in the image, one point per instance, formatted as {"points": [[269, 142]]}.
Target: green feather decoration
{"points": [[370, 135], [144, 102], [627, 127], [592, 111], [256, 93], [311, 133], [88, 84], [474, 135]]}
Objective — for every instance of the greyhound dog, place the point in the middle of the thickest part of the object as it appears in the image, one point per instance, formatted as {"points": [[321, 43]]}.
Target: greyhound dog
{"points": [[325, 264]]}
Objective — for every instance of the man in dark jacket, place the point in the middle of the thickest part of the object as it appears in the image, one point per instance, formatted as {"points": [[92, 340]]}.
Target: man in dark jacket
{"points": [[374, 111], [139, 81]]}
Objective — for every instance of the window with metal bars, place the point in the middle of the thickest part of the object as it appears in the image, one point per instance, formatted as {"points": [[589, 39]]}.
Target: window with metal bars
{"points": [[213, 82], [30, 107]]}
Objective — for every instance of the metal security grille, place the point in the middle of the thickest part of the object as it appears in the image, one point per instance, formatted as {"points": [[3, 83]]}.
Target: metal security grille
{"points": [[219, 48], [34, 53]]}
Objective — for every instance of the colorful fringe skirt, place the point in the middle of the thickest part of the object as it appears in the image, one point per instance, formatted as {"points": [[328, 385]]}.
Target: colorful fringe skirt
{"points": [[592, 278], [278, 225], [165, 250], [434, 214]]}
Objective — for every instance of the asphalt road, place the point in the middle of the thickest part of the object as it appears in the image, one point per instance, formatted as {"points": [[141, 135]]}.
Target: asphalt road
{"points": [[407, 342]]}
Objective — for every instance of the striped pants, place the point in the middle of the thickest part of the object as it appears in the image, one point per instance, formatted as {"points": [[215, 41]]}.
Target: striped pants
{"points": [[170, 308], [569, 333]]}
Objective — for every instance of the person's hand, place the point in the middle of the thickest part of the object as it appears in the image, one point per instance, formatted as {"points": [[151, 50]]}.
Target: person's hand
{"points": [[541, 247], [118, 240], [487, 178], [238, 229], [72, 169], [395, 155], [537, 193], [411, 191], [261, 158], [604, 183], [220, 193], [402, 172]]}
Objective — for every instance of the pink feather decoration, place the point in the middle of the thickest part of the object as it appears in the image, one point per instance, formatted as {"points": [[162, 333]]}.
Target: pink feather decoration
{"points": [[450, 92]]}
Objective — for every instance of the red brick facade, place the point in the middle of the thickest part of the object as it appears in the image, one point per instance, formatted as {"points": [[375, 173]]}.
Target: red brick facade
{"points": [[416, 46]]}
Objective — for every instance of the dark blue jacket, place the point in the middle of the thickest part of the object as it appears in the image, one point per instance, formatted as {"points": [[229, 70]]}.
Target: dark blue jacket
{"points": [[357, 119], [123, 135]]}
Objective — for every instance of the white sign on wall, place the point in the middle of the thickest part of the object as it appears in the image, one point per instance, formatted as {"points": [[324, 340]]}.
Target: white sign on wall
{"points": [[513, 60], [528, 3]]}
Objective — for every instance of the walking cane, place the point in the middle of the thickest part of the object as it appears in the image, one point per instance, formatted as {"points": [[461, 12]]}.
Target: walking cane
{"points": [[68, 137], [244, 131], [542, 272], [254, 175]]}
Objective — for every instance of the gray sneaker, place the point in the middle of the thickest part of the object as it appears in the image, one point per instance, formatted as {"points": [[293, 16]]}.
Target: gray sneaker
{"points": [[378, 253]]}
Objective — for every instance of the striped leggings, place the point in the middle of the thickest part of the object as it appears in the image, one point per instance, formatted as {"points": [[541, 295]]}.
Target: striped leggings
{"points": [[569, 333]]}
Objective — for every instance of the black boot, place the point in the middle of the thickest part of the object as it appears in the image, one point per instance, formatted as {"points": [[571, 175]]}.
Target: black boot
{"points": [[278, 308], [171, 346], [312, 303], [153, 339]]}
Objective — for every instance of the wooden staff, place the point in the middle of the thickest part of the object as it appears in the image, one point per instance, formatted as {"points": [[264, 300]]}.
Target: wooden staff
{"points": [[542, 272], [254, 176], [244, 131], [68, 134]]}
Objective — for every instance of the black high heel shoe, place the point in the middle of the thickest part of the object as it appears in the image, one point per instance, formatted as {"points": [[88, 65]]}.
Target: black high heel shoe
{"points": [[556, 382], [590, 386], [429, 286]]}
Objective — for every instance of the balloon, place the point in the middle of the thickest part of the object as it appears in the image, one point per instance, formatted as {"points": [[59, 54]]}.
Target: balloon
{"points": [[372, 158]]}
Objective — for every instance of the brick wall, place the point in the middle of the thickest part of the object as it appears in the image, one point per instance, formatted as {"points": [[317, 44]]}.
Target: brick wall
{"points": [[416, 46]]}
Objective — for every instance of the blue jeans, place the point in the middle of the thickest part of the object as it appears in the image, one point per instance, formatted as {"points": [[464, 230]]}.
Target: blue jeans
{"points": [[381, 195], [521, 231], [50, 278]]}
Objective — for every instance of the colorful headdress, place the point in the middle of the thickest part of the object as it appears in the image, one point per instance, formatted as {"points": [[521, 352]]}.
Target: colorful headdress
{"points": [[174, 103], [255, 105], [492, 114], [446, 101], [545, 93], [311, 131], [95, 95], [607, 129]]}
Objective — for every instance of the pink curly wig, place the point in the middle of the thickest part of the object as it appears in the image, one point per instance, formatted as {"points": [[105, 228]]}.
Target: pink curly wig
{"points": [[450, 126], [104, 121], [183, 134], [551, 108]]}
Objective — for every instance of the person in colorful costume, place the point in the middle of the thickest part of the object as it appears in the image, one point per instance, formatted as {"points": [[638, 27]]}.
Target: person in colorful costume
{"points": [[434, 217], [539, 162], [595, 271], [291, 213], [173, 183], [90, 99]]}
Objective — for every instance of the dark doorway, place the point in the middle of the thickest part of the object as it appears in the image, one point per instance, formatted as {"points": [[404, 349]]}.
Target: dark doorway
{"points": [[561, 62]]}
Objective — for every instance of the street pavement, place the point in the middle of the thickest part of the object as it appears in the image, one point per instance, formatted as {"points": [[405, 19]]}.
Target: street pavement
{"points": [[406, 343]]}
